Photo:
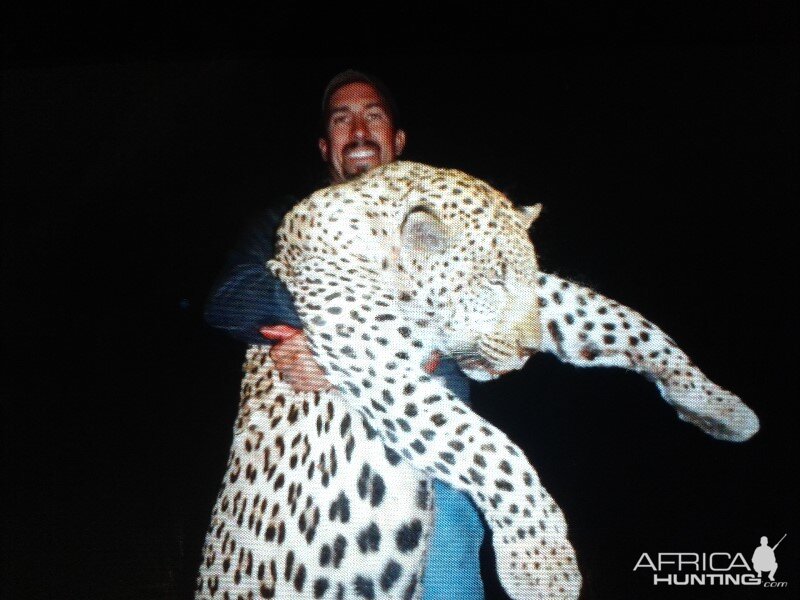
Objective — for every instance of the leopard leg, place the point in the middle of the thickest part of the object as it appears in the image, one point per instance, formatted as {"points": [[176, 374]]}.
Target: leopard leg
{"points": [[587, 329]]}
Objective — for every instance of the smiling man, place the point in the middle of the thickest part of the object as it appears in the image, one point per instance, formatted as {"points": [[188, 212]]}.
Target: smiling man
{"points": [[359, 127], [360, 132]]}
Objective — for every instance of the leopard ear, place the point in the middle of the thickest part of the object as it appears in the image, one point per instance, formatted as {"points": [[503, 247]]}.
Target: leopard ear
{"points": [[423, 231], [529, 214]]}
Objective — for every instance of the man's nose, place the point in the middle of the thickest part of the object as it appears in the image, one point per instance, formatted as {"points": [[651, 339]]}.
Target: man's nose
{"points": [[359, 128]]}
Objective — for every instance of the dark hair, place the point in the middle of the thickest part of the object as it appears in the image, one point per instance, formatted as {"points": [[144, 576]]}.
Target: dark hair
{"points": [[352, 76]]}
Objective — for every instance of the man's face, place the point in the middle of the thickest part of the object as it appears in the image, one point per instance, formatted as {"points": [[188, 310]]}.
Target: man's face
{"points": [[361, 134]]}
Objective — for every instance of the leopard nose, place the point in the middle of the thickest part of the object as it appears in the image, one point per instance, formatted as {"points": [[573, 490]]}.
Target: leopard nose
{"points": [[520, 317], [530, 330]]}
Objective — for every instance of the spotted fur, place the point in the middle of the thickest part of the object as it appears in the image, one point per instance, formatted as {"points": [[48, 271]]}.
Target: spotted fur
{"points": [[329, 495], [308, 492]]}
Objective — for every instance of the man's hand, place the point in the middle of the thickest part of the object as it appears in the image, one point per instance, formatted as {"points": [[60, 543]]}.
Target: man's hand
{"points": [[433, 362], [293, 358]]}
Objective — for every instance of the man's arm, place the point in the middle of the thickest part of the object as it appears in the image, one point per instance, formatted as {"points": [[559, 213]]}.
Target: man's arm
{"points": [[249, 303], [248, 296]]}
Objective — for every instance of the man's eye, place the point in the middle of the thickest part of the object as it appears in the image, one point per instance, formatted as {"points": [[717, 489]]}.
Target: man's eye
{"points": [[338, 119], [375, 116]]}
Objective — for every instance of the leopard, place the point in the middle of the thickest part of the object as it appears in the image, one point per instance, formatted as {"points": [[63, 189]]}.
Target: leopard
{"points": [[328, 494]]}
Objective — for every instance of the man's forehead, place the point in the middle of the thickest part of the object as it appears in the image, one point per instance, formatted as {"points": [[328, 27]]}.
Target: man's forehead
{"points": [[358, 94]]}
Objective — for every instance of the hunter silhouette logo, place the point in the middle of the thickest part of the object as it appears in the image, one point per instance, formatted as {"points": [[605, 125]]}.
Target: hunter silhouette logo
{"points": [[713, 568], [764, 557]]}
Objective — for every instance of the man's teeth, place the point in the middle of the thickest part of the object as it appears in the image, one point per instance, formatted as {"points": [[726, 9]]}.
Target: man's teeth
{"points": [[362, 153]]}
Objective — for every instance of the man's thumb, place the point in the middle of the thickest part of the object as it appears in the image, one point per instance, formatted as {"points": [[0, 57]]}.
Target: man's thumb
{"points": [[278, 333]]}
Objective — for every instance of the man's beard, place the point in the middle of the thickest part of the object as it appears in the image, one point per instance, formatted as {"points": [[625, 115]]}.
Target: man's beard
{"points": [[360, 168]]}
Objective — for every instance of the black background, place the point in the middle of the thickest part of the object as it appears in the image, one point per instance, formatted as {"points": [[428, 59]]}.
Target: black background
{"points": [[662, 144]]}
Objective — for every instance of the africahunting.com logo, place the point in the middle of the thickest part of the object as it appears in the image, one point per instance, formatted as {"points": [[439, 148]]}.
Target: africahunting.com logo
{"points": [[713, 568]]}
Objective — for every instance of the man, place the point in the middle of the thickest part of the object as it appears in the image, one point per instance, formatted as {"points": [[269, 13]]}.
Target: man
{"points": [[360, 132], [764, 558]]}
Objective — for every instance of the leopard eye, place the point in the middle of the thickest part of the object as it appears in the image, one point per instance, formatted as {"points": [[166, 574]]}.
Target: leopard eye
{"points": [[498, 276], [498, 283]]}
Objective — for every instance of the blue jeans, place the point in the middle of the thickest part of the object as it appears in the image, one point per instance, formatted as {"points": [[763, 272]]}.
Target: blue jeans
{"points": [[454, 570]]}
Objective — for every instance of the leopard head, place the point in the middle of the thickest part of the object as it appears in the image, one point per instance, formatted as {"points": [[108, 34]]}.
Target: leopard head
{"points": [[468, 268]]}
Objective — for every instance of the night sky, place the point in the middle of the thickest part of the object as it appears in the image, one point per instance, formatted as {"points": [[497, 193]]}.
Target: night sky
{"points": [[666, 162]]}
